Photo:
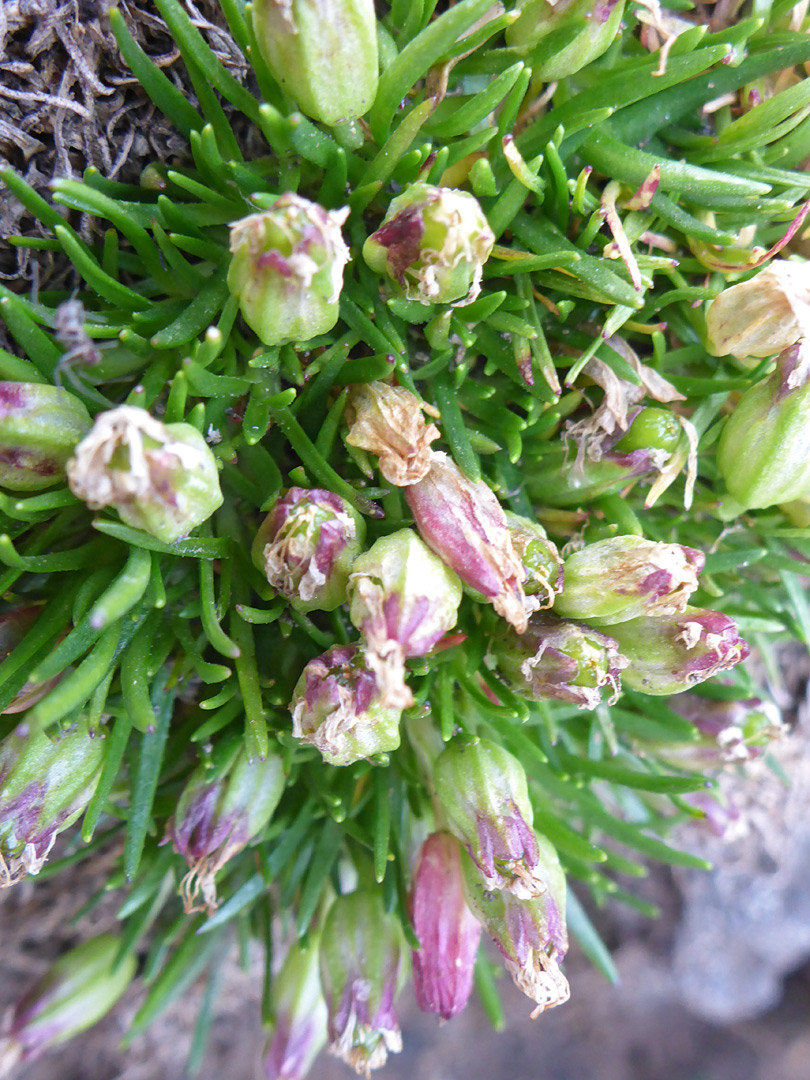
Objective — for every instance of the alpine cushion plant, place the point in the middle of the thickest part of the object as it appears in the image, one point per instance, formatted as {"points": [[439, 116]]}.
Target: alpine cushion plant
{"points": [[427, 450]]}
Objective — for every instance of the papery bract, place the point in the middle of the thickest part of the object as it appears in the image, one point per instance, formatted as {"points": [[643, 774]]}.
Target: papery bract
{"points": [[387, 421]]}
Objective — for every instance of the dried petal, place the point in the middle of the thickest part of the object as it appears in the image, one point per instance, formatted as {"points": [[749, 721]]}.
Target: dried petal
{"points": [[387, 421]]}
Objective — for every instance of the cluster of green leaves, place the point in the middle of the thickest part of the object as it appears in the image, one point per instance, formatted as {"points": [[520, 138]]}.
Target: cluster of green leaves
{"points": [[184, 648]]}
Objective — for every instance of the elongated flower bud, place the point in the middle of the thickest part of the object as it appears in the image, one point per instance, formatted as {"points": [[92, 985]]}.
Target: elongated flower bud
{"points": [[323, 54], [530, 933], [80, 988], [306, 546], [432, 245], [466, 526], [600, 20], [448, 931], [363, 964], [761, 316], [14, 625], [541, 561], [45, 786], [624, 577], [764, 450], [387, 421], [337, 706], [560, 660], [482, 789], [39, 426], [287, 269], [670, 654], [403, 600], [299, 1014], [730, 732], [215, 819], [161, 478]]}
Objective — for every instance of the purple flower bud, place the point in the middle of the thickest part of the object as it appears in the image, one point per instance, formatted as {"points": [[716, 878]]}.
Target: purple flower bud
{"points": [[541, 561], [387, 421], [482, 789], [73, 995], [363, 966], [306, 546], [623, 577], [14, 625], [560, 660], [299, 1014], [432, 245], [403, 600], [287, 269], [39, 426], [162, 478], [467, 528], [215, 819], [530, 933], [448, 931], [44, 787], [337, 706], [730, 732], [671, 654]]}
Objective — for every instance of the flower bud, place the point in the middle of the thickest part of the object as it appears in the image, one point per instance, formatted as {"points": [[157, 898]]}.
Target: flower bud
{"points": [[624, 577], [161, 478], [672, 653], [363, 965], [39, 426], [323, 54], [482, 789], [600, 21], [448, 931], [216, 819], [541, 561], [730, 732], [403, 599], [761, 316], [337, 706], [530, 933], [80, 988], [432, 245], [466, 526], [14, 625], [287, 269], [45, 784], [764, 449], [387, 421], [560, 660], [306, 546], [299, 1014]]}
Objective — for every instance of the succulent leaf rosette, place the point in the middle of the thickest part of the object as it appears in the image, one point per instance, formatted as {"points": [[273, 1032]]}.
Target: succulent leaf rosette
{"points": [[396, 451]]}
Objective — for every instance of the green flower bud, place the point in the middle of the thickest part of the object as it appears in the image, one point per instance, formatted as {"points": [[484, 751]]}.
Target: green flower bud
{"points": [[306, 547], [599, 20], [764, 450], [761, 316], [483, 791], [560, 660], [623, 577], [39, 426], [45, 786], [672, 653], [80, 988], [540, 558], [364, 962], [338, 707], [432, 245], [530, 932], [299, 1014], [324, 54], [161, 478], [287, 269], [216, 819]]}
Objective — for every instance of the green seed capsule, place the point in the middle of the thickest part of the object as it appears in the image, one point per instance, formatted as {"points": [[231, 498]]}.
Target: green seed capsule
{"points": [[39, 426]]}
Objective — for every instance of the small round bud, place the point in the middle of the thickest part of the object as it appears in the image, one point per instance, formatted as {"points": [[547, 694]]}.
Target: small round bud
{"points": [[39, 427]]}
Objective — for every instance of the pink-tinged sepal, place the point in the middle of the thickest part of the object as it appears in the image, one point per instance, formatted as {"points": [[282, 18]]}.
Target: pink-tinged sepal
{"points": [[338, 707], [467, 527], [306, 545], [483, 792], [298, 1010], [448, 932], [39, 426], [728, 732]]}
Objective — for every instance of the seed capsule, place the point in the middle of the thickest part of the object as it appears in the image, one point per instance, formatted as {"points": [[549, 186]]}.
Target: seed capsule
{"points": [[39, 427]]}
